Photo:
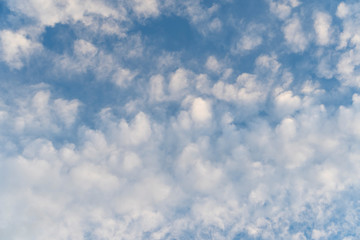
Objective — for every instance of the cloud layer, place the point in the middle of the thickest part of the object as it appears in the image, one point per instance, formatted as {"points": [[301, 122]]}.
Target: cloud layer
{"points": [[244, 126]]}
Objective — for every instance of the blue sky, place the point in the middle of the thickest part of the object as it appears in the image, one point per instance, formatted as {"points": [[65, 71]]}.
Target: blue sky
{"points": [[164, 119]]}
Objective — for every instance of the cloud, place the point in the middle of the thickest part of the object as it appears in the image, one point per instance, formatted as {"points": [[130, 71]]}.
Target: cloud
{"points": [[201, 110], [178, 81], [157, 88], [84, 57], [282, 9], [251, 38], [204, 143], [198, 173], [137, 132], [215, 25], [346, 67], [146, 8], [286, 103], [350, 32], [16, 48], [322, 25], [49, 13], [41, 14], [212, 64], [248, 43], [267, 62], [38, 112], [123, 77], [348, 60], [342, 10], [294, 35]]}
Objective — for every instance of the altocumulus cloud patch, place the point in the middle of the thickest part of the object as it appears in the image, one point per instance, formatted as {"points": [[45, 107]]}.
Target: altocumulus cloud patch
{"points": [[179, 119]]}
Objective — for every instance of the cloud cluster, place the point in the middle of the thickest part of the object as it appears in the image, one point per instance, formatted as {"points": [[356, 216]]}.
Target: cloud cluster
{"points": [[242, 139]]}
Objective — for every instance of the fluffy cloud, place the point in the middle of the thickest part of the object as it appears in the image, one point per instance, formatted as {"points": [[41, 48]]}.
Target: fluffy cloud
{"points": [[286, 103], [178, 81], [342, 10], [38, 112], [49, 13], [246, 90], [138, 131], [203, 143], [282, 8], [294, 35], [348, 41], [16, 47], [251, 38], [200, 110], [146, 8], [157, 87], [123, 77], [322, 25], [212, 64]]}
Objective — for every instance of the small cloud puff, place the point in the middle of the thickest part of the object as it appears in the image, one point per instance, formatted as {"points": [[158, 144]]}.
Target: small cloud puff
{"points": [[294, 35], [322, 25], [282, 8], [251, 38], [201, 110], [178, 81], [146, 8], [212, 64]]}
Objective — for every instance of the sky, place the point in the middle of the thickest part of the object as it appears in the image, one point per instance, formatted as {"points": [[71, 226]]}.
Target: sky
{"points": [[192, 119]]}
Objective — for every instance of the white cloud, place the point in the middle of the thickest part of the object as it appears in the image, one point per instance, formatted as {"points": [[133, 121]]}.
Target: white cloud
{"points": [[178, 81], [348, 60], [146, 8], [215, 25], [89, 176], [123, 77], [294, 35], [225, 155], [201, 110], [326, 66], [322, 25], [66, 110], [251, 38], [246, 90], [287, 128], [84, 49], [131, 161], [282, 8], [88, 57], [286, 103], [212, 64], [350, 33], [348, 116], [137, 132], [347, 67], [249, 43], [196, 172], [121, 168], [268, 62], [16, 48], [318, 234], [83, 59], [42, 14], [48, 13], [43, 114], [342, 10], [156, 90]]}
